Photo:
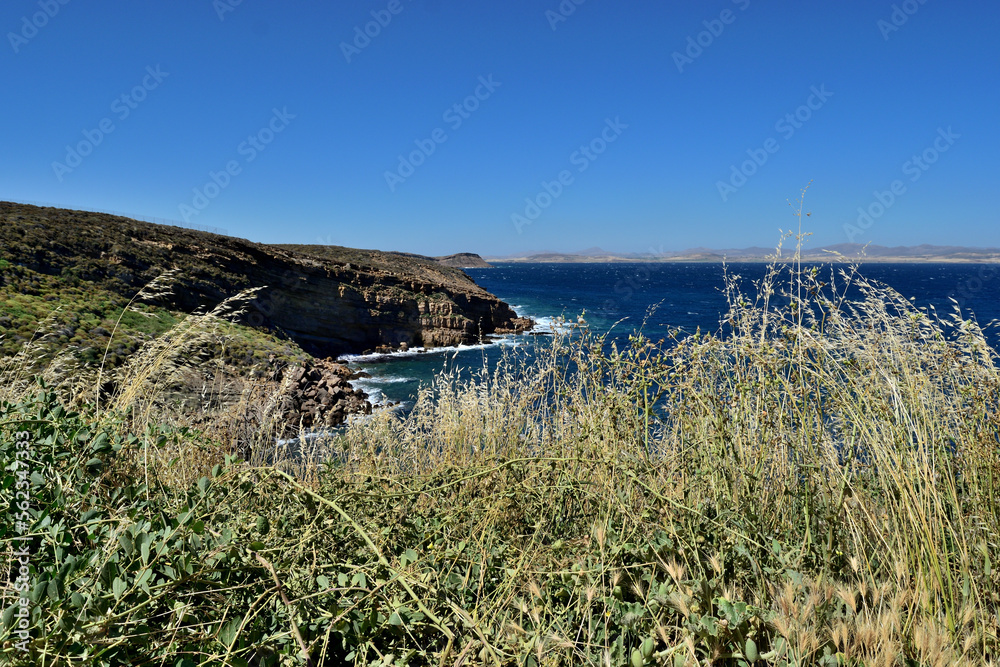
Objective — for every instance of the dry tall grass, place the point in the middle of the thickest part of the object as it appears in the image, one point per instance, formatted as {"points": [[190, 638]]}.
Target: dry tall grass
{"points": [[858, 441], [814, 485]]}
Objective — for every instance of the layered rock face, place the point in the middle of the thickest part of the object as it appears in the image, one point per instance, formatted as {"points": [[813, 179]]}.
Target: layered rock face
{"points": [[330, 300], [332, 305]]}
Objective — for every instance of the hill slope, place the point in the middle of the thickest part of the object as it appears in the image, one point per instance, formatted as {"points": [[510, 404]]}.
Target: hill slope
{"points": [[330, 300]]}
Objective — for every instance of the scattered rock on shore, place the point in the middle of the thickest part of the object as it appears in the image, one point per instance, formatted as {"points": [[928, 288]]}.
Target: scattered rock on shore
{"points": [[318, 394]]}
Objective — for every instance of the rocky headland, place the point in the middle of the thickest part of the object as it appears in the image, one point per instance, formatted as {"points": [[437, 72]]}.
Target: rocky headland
{"points": [[329, 300], [465, 260]]}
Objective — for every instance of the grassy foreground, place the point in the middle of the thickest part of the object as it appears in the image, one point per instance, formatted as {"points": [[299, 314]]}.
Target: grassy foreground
{"points": [[818, 486]]}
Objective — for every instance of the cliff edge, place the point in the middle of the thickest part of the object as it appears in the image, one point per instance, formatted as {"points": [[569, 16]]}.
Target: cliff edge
{"points": [[328, 299]]}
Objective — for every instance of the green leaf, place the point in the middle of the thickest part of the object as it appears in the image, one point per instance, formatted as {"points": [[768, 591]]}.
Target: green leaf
{"points": [[7, 619], [322, 582], [36, 592], [203, 485], [100, 444], [708, 623], [144, 539], [198, 527], [126, 541], [725, 606], [229, 632], [118, 588], [257, 546], [750, 651], [142, 581], [94, 465]]}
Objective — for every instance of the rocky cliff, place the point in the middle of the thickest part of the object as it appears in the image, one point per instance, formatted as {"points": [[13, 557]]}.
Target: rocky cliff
{"points": [[461, 260], [465, 260], [330, 300]]}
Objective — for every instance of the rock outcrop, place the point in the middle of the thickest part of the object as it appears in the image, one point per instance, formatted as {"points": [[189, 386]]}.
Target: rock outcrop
{"points": [[465, 260], [339, 300], [461, 260], [317, 395], [330, 300]]}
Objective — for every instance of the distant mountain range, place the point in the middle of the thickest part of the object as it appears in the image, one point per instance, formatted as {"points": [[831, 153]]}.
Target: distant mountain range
{"points": [[847, 252]]}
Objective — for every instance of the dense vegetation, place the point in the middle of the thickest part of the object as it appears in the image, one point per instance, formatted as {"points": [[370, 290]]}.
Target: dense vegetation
{"points": [[80, 335], [817, 485]]}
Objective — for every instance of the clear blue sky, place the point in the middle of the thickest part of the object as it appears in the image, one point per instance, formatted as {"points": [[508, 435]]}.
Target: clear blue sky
{"points": [[928, 88]]}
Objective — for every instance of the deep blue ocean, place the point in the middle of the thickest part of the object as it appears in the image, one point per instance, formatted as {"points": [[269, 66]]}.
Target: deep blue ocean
{"points": [[618, 297]]}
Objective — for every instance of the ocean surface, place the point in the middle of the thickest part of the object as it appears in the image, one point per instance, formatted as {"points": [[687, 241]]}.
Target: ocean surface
{"points": [[621, 298]]}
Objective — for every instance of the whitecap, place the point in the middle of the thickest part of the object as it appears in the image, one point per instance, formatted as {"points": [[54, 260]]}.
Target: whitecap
{"points": [[376, 356], [385, 379]]}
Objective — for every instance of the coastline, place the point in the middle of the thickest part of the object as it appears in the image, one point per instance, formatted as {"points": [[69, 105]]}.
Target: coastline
{"points": [[811, 259]]}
